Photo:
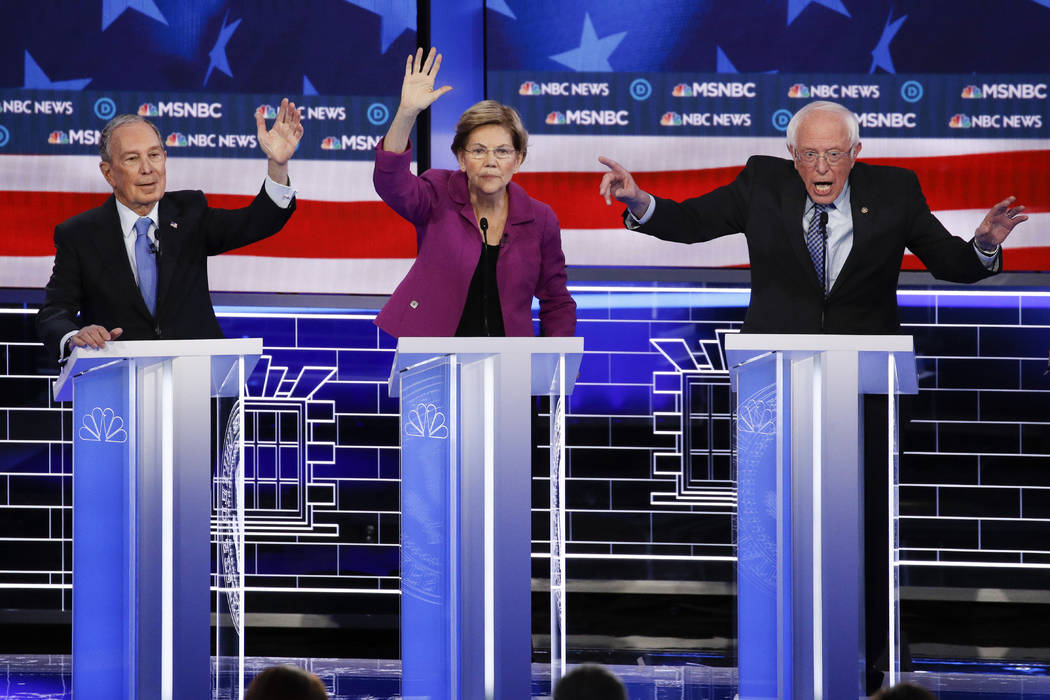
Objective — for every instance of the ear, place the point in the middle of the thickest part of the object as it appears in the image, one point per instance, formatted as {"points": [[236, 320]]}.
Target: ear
{"points": [[462, 158], [856, 150], [107, 172]]}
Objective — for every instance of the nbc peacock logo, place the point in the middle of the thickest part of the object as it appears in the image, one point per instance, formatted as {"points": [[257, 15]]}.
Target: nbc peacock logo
{"points": [[972, 92], [176, 139], [960, 121], [148, 109], [671, 119], [799, 91], [682, 90], [556, 117], [529, 88]]}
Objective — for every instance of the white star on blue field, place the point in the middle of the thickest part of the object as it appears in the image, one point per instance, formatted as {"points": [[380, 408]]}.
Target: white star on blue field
{"points": [[111, 9], [880, 55], [217, 55], [395, 17], [795, 7], [36, 79], [592, 53]]}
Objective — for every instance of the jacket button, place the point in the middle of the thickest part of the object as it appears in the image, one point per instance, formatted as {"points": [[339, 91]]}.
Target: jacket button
{"points": [[414, 304]]}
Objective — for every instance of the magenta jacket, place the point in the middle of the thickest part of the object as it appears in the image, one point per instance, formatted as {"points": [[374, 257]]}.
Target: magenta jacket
{"points": [[429, 301]]}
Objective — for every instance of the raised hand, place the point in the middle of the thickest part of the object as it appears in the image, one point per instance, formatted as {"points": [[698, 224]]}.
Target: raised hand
{"points": [[280, 142], [619, 184], [998, 223], [417, 90]]}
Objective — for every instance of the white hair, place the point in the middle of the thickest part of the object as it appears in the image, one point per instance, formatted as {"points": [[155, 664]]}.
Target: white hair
{"points": [[848, 118]]}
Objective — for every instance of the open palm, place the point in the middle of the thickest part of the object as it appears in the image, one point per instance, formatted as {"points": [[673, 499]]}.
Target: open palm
{"points": [[281, 140], [417, 91]]}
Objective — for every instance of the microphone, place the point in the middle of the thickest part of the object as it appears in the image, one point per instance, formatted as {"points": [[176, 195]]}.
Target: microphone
{"points": [[824, 224], [484, 223]]}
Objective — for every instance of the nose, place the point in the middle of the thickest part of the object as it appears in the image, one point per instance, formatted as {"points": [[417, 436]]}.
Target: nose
{"points": [[821, 166]]}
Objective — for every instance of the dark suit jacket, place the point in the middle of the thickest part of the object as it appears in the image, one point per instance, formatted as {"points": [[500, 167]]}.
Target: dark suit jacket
{"points": [[92, 275], [766, 203]]}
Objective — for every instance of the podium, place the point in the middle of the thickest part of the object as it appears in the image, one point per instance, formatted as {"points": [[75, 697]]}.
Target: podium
{"points": [[466, 519], [143, 446], [800, 531]]}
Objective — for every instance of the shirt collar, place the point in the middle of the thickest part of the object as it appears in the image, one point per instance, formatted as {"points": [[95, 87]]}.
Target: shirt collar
{"points": [[128, 218]]}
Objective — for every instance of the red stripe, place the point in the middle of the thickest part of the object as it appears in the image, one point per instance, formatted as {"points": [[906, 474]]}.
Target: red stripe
{"points": [[1014, 259], [316, 230]]}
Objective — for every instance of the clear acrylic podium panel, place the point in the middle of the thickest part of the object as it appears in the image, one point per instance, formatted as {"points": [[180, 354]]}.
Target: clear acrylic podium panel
{"points": [[456, 509], [799, 534], [229, 603], [156, 460]]}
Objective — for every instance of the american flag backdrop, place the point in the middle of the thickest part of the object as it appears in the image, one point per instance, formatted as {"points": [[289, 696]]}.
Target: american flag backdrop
{"points": [[680, 92]]}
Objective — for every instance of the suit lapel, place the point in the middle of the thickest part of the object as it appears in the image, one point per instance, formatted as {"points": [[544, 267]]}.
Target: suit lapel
{"points": [[792, 207], [109, 242], [170, 242], [862, 226]]}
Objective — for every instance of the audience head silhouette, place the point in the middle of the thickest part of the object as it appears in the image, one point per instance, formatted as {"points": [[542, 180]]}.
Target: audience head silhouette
{"points": [[286, 683], [904, 691], [590, 682]]}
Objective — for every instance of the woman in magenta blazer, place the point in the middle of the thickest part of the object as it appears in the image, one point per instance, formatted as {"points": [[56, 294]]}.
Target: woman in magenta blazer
{"points": [[486, 248]]}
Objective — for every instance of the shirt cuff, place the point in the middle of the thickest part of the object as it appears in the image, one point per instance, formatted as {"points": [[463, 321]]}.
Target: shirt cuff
{"points": [[634, 222], [987, 259], [282, 195], [62, 355]]}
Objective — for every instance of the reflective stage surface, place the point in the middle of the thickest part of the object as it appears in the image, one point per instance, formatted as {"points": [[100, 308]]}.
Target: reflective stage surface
{"points": [[42, 677]]}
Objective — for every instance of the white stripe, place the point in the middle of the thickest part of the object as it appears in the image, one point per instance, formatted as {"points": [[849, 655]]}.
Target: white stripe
{"points": [[548, 153], [323, 181]]}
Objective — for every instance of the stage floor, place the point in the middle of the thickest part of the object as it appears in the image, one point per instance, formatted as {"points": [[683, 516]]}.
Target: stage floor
{"points": [[47, 677]]}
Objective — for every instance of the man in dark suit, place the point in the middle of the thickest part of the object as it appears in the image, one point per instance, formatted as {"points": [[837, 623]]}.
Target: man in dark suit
{"points": [[825, 237], [872, 214], [136, 266]]}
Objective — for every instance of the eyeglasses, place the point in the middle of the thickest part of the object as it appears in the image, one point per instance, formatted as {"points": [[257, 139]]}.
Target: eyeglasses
{"points": [[480, 152], [810, 157]]}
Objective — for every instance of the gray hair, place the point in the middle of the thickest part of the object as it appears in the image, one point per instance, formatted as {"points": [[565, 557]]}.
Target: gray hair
{"points": [[848, 118], [117, 122]]}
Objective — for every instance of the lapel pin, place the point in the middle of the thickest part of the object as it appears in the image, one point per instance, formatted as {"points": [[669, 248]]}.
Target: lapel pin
{"points": [[863, 210], [175, 224]]}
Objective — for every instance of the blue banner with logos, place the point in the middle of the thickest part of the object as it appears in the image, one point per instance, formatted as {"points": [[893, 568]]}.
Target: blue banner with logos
{"points": [[714, 104]]}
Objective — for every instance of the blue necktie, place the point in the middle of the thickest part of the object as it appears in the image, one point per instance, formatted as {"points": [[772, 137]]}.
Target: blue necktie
{"points": [[146, 264], [815, 241]]}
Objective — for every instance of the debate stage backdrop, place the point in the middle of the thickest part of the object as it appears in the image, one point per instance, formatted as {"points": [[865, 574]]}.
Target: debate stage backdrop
{"points": [[954, 90]]}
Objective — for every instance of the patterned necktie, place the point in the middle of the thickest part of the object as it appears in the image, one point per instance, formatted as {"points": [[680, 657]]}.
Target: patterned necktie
{"points": [[146, 264], [815, 241]]}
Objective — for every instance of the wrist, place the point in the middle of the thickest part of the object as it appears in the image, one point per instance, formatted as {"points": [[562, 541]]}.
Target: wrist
{"points": [[982, 249]]}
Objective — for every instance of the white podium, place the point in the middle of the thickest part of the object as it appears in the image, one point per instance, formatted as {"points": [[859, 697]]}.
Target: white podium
{"points": [[800, 531], [466, 520], [143, 449]]}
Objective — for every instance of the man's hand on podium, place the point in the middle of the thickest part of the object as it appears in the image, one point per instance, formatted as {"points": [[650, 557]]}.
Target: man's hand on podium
{"points": [[93, 336]]}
